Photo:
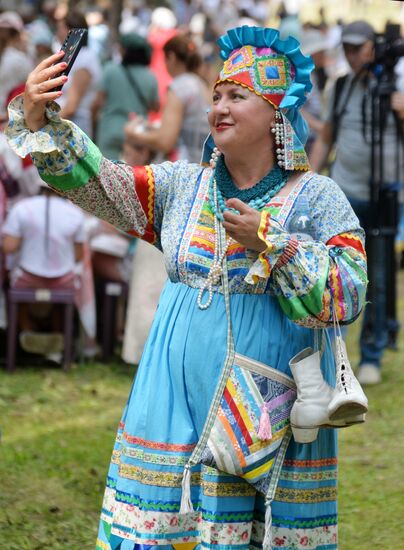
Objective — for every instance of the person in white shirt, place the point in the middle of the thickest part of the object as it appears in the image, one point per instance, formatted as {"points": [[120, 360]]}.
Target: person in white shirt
{"points": [[44, 234]]}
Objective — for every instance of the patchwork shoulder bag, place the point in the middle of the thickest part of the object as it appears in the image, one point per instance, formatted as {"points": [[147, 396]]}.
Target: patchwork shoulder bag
{"points": [[247, 430]]}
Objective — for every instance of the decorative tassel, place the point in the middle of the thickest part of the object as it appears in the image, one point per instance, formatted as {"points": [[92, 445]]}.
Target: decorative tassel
{"points": [[267, 542], [186, 502], [265, 429]]}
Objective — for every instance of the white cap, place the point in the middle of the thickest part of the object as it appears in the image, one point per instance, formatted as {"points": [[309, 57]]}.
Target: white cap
{"points": [[313, 41], [163, 18], [11, 20]]}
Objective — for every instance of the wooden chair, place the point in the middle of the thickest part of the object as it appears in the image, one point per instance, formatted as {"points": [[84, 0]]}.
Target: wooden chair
{"points": [[18, 296], [111, 292]]}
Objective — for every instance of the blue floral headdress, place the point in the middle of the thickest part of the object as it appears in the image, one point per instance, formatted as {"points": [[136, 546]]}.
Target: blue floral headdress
{"points": [[276, 70]]}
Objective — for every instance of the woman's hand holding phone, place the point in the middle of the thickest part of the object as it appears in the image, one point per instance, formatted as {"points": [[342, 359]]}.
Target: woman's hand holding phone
{"points": [[40, 88]]}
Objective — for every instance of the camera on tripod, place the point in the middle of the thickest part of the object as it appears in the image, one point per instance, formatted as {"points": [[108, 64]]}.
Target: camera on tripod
{"points": [[389, 47]]}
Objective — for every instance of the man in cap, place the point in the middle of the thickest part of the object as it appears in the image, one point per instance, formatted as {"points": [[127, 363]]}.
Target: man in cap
{"points": [[348, 126]]}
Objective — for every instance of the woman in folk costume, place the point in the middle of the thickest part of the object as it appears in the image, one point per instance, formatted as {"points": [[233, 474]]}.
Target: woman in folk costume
{"points": [[294, 255]]}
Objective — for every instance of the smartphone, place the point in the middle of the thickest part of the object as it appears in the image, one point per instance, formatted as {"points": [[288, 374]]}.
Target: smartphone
{"points": [[71, 46]]}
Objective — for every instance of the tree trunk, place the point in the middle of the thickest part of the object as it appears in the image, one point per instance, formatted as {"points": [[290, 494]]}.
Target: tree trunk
{"points": [[72, 4], [115, 19]]}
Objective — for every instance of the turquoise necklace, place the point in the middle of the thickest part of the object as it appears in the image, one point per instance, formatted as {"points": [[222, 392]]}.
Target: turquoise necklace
{"points": [[256, 197]]}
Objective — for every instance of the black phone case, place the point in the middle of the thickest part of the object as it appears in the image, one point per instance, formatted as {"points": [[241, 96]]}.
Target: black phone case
{"points": [[71, 46]]}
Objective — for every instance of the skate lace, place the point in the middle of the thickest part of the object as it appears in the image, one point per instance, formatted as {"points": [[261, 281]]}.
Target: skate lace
{"points": [[344, 370]]}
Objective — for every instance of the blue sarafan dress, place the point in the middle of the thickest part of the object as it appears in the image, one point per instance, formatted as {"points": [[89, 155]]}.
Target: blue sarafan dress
{"points": [[278, 298]]}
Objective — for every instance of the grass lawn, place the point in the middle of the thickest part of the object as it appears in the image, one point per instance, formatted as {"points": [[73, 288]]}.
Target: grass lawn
{"points": [[57, 432]]}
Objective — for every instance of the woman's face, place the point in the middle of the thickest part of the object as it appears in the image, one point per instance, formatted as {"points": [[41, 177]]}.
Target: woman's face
{"points": [[239, 117]]}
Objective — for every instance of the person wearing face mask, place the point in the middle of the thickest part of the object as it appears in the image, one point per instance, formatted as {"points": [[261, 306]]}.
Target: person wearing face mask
{"points": [[348, 126], [293, 253]]}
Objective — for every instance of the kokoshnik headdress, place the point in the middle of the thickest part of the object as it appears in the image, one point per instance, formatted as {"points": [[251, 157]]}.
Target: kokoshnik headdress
{"points": [[257, 59]]}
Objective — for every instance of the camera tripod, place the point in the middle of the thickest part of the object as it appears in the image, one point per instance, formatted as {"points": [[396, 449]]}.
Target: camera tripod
{"points": [[381, 321]]}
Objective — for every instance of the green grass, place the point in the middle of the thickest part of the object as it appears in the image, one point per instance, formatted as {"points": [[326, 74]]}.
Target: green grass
{"points": [[58, 431], [371, 487], [57, 435]]}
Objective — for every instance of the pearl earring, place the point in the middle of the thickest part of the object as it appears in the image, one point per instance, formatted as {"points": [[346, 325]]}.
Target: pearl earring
{"points": [[213, 159], [279, 131]]}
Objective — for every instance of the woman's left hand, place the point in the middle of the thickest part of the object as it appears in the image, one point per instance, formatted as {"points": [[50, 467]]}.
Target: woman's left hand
{"points": [[243, 227], [134, 127]]}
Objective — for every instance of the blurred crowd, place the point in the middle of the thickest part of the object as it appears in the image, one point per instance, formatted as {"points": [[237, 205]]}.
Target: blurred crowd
{"points": [[142, 94]]}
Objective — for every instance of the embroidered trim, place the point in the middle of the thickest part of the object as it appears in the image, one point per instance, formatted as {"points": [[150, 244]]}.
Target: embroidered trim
{"points": [[319, 463], [154, 477], [228, 489], [146, 505], [145, 190], [309, 476], [178, 448], [290, 251], [199, 201], [322, 494], [140, 454], [299, 523]]}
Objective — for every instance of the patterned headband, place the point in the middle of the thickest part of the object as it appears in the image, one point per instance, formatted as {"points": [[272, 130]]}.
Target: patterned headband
{"points": [[276, 70], [273, 68]]}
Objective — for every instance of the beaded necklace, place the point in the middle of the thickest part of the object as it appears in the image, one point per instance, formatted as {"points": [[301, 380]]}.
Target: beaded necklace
{"points": [[216, 268], [256, 196], [268, 186]]}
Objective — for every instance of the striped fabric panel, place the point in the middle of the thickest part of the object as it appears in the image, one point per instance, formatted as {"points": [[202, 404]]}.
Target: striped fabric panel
{"points": [[202, 245], [234, 442]]}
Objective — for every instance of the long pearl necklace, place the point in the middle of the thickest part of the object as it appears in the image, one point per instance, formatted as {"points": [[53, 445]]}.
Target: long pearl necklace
{"points": [[216, 269], [275, 181]]}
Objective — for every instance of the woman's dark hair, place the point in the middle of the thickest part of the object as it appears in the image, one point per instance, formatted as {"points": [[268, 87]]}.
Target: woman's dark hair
{"points": [[136, 50], [76, 20], [185, 50], [6, 35], [136, 56], [48, 193]]}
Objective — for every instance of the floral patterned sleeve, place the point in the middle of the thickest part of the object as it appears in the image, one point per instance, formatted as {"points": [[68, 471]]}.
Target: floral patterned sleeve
{"points": [[312, 277], [131, 199]]}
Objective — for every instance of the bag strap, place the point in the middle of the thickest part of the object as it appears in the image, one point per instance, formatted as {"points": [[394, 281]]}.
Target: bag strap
{"points": [[186, 503], [136, 87], [336, 113], [339, 110], [335, 322], [280, 455], [200, 446]]}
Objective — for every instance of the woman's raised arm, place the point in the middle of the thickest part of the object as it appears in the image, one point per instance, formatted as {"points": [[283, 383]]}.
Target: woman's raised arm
{"points": [[132, 199]]}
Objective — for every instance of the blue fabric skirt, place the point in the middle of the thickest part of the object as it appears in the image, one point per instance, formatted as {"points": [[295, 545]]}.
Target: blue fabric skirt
{"points": [[165, 415]]}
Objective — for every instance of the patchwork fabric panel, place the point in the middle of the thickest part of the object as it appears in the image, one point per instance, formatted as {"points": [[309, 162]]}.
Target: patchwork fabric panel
{"points": [[235, 445], [260, 69]]}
